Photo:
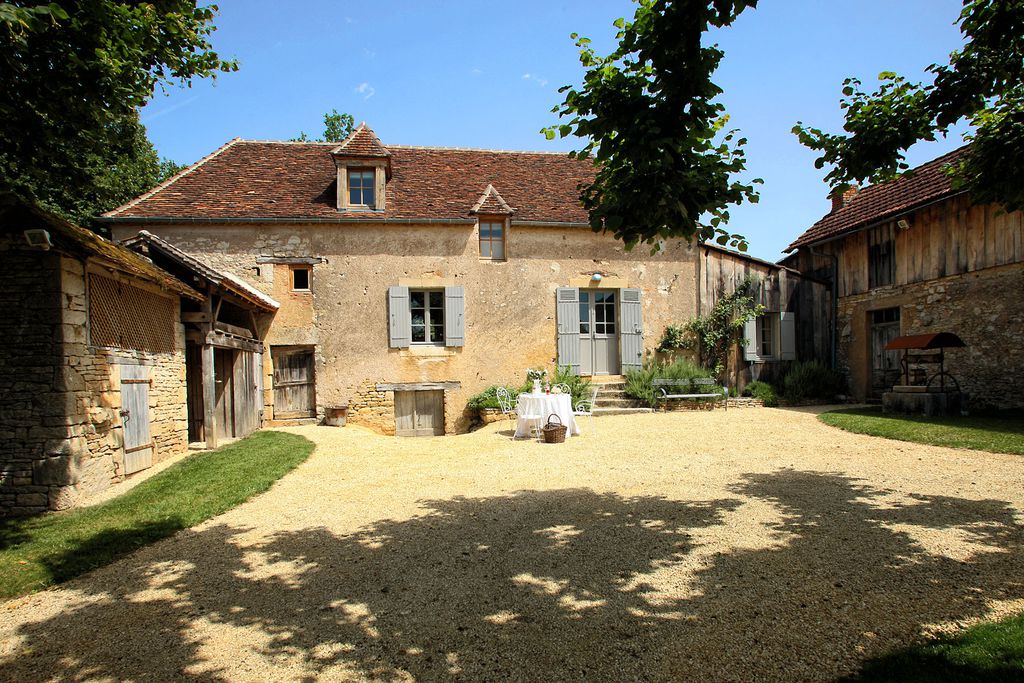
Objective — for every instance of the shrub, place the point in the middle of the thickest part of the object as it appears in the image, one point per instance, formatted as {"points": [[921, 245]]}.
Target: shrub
{"points": [[811, 380], [488, 398], [640, 383], [579, 388], [763, 391]]}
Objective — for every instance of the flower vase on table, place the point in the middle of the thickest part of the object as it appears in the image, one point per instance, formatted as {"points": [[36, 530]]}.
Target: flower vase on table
{"points": [[536, 386]]}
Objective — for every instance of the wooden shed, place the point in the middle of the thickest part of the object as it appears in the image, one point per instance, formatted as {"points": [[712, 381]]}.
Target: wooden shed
{"points": [[224, 347]]}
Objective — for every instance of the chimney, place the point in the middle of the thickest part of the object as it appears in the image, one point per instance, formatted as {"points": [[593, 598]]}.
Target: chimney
{"points": [[842, 195]]}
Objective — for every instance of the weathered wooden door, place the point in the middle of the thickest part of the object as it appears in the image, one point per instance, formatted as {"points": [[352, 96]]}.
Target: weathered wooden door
{"points": [[419, 413], [294, 386], [885, 365], [138, 446], [246, 394], [224, 371]]}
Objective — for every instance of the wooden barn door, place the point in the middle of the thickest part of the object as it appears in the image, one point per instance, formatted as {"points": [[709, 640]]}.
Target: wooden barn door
{"points": [[419, 413], [138, 446], [224, 371], [246, 394], [294, 386]]}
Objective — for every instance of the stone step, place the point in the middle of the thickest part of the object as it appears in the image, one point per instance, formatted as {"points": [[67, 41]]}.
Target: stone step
{"points": [[293, 422], [618, 402], [598, 412]]}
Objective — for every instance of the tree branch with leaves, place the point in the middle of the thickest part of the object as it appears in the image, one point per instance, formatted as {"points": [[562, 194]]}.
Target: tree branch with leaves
{"points": [[666, 164], [982, 84]]}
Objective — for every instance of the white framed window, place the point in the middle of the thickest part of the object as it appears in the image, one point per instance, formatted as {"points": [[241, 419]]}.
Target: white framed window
{"points": [[426, 309], [770, 337], [302, 278]]}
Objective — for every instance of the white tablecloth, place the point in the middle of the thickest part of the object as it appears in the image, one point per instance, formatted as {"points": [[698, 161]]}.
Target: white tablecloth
{"points": [[544, 405]]}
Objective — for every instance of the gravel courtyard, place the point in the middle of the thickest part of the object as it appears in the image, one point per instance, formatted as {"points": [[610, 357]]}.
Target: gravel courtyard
{"points": [[748, 545]]}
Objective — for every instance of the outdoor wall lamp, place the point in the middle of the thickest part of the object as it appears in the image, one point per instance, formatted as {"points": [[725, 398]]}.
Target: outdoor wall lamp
{"points": [[596, 277]]}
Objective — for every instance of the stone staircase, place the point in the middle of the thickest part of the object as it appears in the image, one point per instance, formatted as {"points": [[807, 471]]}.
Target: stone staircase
{"points": [[611, 397]]}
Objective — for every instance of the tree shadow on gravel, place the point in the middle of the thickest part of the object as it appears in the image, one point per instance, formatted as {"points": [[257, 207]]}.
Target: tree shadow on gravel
{"points": [[555, 585]]}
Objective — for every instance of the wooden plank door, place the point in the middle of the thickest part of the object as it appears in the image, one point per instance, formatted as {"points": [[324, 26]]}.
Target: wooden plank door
{"points": [[246, 394], [224, 371], [294, 385], [885, 365], [419, 413], [194, 392], [138, 446]]}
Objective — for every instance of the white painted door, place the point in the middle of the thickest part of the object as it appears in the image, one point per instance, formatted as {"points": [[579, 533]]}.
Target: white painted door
{"points": [[599, 334], [138, 446]]}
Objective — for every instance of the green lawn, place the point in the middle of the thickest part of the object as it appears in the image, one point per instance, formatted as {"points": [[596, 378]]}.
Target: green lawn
{"points": [[987, 652], [37, 552], [996, 432]]}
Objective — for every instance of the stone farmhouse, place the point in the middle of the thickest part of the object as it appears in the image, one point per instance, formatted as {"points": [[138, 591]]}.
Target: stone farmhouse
{"points": [[915, 256], [410, 278]]}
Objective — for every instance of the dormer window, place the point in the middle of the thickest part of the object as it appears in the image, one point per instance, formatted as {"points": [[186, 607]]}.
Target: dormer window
{"points": [[364, 167], [361, 182]]}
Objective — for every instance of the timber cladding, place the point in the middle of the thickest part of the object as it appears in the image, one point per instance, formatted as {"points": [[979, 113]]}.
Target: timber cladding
{"points": [[123, 316]]}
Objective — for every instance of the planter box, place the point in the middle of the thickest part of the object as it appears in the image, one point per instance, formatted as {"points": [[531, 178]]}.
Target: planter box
{"points": [[489, 415]]}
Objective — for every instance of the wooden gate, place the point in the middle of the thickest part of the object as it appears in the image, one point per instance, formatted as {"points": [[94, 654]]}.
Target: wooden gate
{"points": [[247, 397], [419, 413], [294, 386], [138, 446]]}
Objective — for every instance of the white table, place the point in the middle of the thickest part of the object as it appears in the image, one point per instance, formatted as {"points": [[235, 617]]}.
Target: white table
{"points": [[544, 405]]}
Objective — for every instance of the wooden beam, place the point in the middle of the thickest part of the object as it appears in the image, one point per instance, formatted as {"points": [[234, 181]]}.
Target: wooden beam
{"points": [[227, 341], [290, 260], [193, 317], [232, 329], [418, 386], [209, 384]]}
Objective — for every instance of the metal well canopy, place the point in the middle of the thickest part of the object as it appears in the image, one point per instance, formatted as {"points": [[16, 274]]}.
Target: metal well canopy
{"points": [[938, 340]]}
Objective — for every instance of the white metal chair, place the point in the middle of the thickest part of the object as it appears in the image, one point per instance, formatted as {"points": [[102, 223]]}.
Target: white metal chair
{"points": [[585, 408], [504, 400], [533, 418], [563, 387]]}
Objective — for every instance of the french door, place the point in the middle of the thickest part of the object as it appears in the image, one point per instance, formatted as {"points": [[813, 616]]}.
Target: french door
{"points": [[599, 333]]}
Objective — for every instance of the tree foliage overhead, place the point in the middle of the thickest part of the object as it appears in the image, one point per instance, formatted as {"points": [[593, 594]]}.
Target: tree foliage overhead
{"points": [[72, 77], [647, 112], [983, 84], [337, 127]]}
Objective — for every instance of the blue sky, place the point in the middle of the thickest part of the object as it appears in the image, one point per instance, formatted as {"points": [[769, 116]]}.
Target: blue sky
{"points": [[486, 74]]}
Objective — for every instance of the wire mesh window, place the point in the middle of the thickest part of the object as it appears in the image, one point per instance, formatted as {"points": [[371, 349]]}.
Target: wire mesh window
{"points": [[126, 317]]}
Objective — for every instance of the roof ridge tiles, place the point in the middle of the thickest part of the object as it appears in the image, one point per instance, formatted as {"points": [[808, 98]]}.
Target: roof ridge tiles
{"points": [[180, 174]]}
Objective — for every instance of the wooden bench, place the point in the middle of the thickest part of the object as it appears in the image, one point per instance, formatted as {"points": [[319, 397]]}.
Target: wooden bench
{"points": [[662, 387]]}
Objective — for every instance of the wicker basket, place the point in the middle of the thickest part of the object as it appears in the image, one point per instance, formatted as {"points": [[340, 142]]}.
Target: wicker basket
{"points": [[554, 432]]}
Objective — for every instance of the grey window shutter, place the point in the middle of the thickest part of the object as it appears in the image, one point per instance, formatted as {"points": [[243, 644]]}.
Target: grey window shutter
{"points": [[567, 309], [631, 331], [454, 316], [787, 335], [399, 318], [750, 347]]}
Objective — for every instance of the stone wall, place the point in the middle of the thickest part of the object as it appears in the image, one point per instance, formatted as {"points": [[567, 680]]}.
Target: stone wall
{"points": [[31, 417], [371, 408], [983, 307], [60, 397]]}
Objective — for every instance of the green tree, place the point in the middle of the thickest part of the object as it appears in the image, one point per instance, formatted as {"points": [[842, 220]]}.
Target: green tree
{"points": [[983, 84], [72, 77], [337, 127], [665, 163]]}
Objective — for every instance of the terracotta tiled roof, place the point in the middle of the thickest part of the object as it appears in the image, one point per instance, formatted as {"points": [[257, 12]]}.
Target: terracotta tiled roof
{"points": [[886, 200], [361, 142], [492, 203], [296, 181], [17, 214]]}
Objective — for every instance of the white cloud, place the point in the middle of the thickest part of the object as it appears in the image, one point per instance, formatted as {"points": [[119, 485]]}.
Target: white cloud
{"points": [[536, 79], [366, 90], [370, 54], [476, 72]]}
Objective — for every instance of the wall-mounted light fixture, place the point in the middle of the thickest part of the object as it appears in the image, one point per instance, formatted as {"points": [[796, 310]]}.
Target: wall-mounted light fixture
{"points": [[596, 277], [903, 224], [39, 238]]}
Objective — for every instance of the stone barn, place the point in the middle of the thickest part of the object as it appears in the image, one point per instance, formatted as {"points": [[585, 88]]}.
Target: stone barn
{"points": [[92, 368]]}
